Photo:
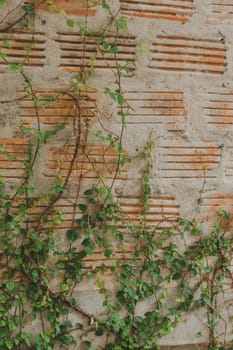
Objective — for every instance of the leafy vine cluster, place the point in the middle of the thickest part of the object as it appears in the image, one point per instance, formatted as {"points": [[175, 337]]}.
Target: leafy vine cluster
{"points": [[35, 252]]}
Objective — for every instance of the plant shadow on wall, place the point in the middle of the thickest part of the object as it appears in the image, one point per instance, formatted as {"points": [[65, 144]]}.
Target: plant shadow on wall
{"points": [[47, 253]]}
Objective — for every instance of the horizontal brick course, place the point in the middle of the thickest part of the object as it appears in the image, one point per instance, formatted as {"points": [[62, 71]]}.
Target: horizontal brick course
{"points": [[76, 49], [185, 160], [57, 107], [185, 54], [166, 108], [72, 7], [23, 47], [17, 149], [218, 108], [163, 211], [163, 9], [93, 162]]}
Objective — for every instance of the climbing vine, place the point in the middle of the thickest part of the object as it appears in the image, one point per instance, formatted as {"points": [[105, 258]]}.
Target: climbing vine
{"points": [[45, 257]]}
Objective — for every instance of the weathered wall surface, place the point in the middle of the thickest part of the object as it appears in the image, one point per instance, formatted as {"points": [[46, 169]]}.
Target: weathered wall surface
{"points": [[181, 88]]}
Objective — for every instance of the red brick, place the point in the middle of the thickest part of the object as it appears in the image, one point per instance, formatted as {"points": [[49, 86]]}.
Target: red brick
{"points": [[185, 160], [166, 108], [218, 108], [16, 53], [220, 12], [185, 54], [72, 7], [163, 212], [64, 109], [95, 162], [17, 149], [181, 10], [76, 49]]}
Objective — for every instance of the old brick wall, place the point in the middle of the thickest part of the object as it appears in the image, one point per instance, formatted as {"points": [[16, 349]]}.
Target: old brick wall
{"points": [[181, 88]]}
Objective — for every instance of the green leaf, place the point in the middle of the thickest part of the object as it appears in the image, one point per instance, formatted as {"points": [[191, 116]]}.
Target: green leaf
{"points": [[87, 344], [2, 3], [223, 213], [99, 332], [7, 205], [72, 302], [82, 207], [106, 6], [15, 67], [7, 44], [10, 286], [72, 235], [198, 334], [176, 276], [121, 23], [181, 299], [147, 189], [92, 201], [79, 326], [120, 148], [3, 54], [29, 8], [113, 48], [81, 254], [90, 191], [108, 253], [87, 242], [70, 22], [35, 276], [120, 100], [80, 23], [105, 45], [9, 344]]}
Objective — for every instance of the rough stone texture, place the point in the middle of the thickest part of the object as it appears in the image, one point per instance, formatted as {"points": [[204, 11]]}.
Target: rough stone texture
{"points": [[181, 88]]}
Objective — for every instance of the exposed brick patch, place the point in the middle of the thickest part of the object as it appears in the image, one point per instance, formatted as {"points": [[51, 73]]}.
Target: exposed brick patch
{"points": [[57, 107], [166, 108], [213, 202], [73, 45], [229, 165], [72, 7], [64, 206], [95, 162], [185, 54], [17, 149], [220, 11], [163, 211], [23, 47], [211, 206], [185, 160], [97, 259], [218, 107], [163, 214], [163, 9]]}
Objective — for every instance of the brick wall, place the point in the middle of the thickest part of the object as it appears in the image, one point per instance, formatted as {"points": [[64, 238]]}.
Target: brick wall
{"points": [[180, 87]]}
